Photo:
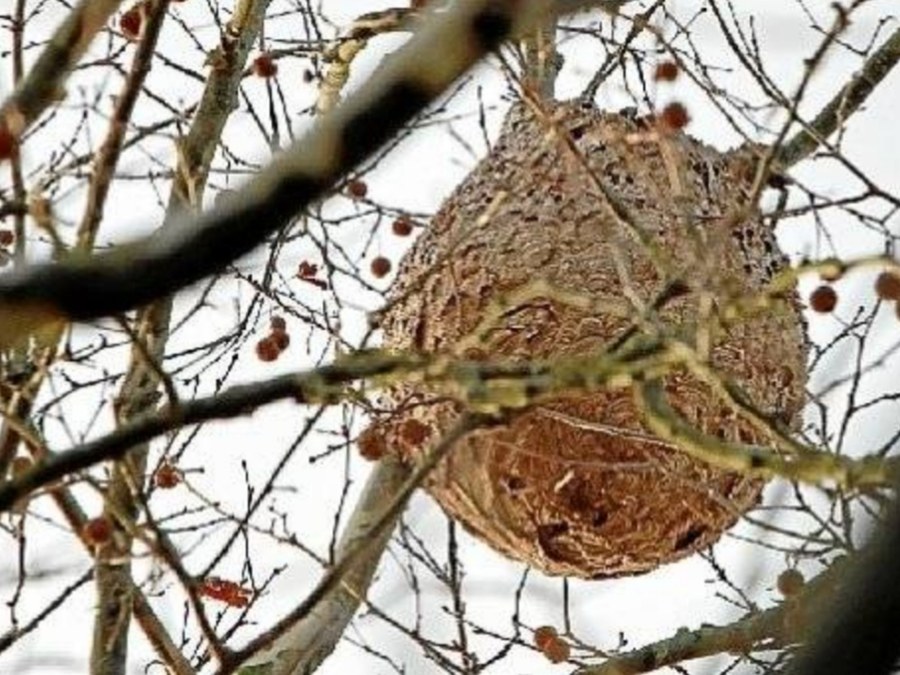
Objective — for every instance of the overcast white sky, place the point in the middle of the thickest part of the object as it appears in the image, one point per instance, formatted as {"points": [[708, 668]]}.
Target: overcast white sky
{"points": [[416, 177]]}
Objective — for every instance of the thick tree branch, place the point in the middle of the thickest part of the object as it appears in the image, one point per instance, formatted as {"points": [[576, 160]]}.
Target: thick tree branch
{"points": [[366, 543], [43, 85], [856, 632], [137, 395], [305, 646], [318, 385], [446, 46], [847, 101], [339, 55], [811, 467], [779, 626]]}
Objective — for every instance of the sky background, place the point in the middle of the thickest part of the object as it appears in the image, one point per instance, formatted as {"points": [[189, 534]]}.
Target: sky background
{"points": [[415, 177]]}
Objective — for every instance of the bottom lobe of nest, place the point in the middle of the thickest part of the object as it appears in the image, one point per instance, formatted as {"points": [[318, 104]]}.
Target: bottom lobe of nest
{"points": [[572, 487]]}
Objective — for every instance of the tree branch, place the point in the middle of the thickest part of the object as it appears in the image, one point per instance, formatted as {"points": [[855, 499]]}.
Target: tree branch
{"points": [[364, 545], [137, 395], [135, 274], [812, 467], [773, 628], [843, 105], [305, 646], [43, 85], [317, 385]]}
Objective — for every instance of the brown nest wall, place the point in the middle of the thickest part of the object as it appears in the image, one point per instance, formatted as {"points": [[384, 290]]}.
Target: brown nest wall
{"points": [[574, 485]]}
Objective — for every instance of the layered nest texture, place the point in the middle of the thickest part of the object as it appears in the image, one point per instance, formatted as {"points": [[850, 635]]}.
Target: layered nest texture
{"points": [[574, 485]]}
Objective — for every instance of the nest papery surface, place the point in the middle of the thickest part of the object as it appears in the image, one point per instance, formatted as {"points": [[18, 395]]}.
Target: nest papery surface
{"points": [[574, 485]]}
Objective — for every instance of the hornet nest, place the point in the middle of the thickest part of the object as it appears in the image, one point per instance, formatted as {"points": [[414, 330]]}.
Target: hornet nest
{"points": [[574, 485]]}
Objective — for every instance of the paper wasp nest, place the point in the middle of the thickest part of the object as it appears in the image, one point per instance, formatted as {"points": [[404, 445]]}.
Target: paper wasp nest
{"points": [[574, 485]]}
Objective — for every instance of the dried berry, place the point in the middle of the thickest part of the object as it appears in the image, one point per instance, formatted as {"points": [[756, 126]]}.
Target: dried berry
{"points": [[674, 117], [225, 591], [667, 71], [278, 324], [372, 445], [281, 339], [7, 142], [557, 650], [131, 23], [823, 299], [357, 188], [308, 76], [402, 227], [381, 267], [97, 530], [543, 636], [167, 476], [790, 582], [7, 237], [306, 269], [267, 349], [265, 66], [887, 286]]}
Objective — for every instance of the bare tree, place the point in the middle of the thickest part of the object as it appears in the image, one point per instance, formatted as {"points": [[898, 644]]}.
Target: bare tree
{"points": [[246, 316]]}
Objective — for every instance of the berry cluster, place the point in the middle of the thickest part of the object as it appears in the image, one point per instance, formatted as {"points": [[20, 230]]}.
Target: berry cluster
{"points": [[271, 346], [225, 591], [824, 298]]}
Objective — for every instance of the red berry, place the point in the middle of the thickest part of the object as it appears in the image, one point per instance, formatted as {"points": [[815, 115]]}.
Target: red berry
{"points": [[674, 117], [97, 530], [265, 66], [7, 237], [357, 188], [887, 286], [7, 142], [278, 324], [281, 339], [381, 267], [666, 71], [823, 299], [402, 227], [131, 22], [267, 349], [543, 636], [167, 476], [557, 650], [307, 269]]}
